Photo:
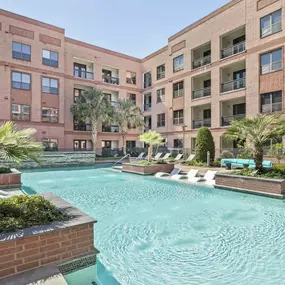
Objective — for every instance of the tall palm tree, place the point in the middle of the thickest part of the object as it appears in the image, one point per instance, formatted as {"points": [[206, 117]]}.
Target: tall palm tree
{"points": [[16, 145], [151, 138], [94, 106], [127, 116], [256, 132]]}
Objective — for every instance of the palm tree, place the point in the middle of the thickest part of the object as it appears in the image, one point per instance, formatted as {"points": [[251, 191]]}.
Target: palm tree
{"points": [[127, 116], [256, 132], [151, 138], [16, 145], [94, 106]]}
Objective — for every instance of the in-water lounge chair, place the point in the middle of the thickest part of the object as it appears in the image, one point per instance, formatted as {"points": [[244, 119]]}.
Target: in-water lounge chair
{"points": [[175, 171], [190, 175], [209, 178]]}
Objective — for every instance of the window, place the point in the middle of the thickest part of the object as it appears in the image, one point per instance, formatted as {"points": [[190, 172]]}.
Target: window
{"points": [[49, 85], [106, 144], [178, 89], [50, 144], [21, 51], [49, 115], [77, 93], [147, 102], [160, 95], [177, 143], [50, 58], [270, 24], [147, 80], [132, 97], [20, 112], [207, 114], [160, 72], [79, 144], [130, 144], [161, 120], [178, 63], [271, 102], [80, 70], [271, 61], [131, 78], [21, 81], [178, 117]]}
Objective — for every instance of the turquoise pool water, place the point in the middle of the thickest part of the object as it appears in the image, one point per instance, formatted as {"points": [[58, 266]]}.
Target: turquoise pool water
{"points": [[153, 232]]}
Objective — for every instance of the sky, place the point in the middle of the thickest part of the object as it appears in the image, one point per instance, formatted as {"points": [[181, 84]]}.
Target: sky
{"points": [[133, 27]]}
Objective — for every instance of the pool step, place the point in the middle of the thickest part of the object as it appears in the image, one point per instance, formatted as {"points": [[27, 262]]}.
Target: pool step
{"points": [[118, 167]]}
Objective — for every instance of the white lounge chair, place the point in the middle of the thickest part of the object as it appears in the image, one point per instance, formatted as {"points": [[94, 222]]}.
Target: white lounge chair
{"points": [[178, 157], [166, 156], [190, 175], [190, 158], [158, 155], [141, 156], [175, 171], [209, 178]]}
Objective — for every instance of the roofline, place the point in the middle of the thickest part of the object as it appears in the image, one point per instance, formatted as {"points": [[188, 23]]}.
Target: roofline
{"points": [[165, 48], [31, 21], [204, 19]]}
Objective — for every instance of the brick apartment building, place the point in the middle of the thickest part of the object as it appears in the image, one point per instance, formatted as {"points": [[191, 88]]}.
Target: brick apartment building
{"points": [[225, 66]]}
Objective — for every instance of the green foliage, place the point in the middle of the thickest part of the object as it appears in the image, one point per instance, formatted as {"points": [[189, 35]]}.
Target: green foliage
{"points": [[227, 154], [244, 152], [5, 169], [217, 162], [146, 162], [277, 151], [204, 143], [196, 163], [263, 173], [19, 212], [279, 166], [16, 145]]}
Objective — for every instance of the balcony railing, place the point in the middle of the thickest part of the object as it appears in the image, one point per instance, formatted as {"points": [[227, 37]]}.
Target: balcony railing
{"points": [[229, 51], [204, 92], [20, 117], [131, 80], [82, 127], [178, 121], [201, 61], [49, 119], [110, 80], [83, 74], [226, 120], [147, 84], [233, 85], [201, 123], [178, 93], [110, 129], [271, 108], [274, 28], [270, 67], [147, 107]]}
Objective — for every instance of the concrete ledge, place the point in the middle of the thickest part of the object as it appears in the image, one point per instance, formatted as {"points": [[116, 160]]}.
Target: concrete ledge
{"points": [[147, 169], [10, 180]]}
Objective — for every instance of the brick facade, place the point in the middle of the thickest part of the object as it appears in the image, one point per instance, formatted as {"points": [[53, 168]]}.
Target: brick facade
{"points": [[10, 179]]}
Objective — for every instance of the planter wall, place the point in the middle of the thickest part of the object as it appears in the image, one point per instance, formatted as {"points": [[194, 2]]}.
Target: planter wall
{"points": [[10, 179], [56, 243], [252, 184], [147, 169]]}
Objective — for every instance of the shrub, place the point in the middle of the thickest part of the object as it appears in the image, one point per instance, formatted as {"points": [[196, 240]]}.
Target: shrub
{"points": [[144, 162], [265, 173], [19, 212], [196, 163], [227, 154], [4, 169], [204, 143], [217, 162], [279, 166]]}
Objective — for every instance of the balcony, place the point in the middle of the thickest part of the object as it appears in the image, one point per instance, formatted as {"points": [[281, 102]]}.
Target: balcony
{"points": [[201, 123], [82, 127], [200, 93], [147, 107], [110, 129], [231, 110], [226, 120], [233, 85], [83, 69], [271, 108], [83, 74], [201, 86], [201, 61], [201, 55], [110, 75], [20, 117], [233, 43], [112, 97], [201, 116]]}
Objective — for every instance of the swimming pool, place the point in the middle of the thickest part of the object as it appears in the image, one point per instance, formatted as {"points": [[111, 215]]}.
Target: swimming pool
{"points": [[152, 232]]}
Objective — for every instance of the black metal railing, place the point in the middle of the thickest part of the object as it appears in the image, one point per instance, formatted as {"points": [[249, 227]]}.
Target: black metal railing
{"points": [[201, 123], [110, 80], [82, 127], [110, 129], [226, 120], [83, 74]]}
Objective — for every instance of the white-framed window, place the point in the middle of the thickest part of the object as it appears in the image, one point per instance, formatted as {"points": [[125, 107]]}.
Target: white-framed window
{"points": [[271, 24], [178, 117], [49, 85], [21, 51], [160, 95], [50, 58], [178, 63], [21, 80], [271, 61]]}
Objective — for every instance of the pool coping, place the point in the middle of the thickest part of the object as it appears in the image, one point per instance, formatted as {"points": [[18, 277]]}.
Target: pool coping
{"points": [[79, 218]]}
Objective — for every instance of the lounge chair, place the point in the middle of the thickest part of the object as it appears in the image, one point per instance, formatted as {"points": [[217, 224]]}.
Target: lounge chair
{"points": [[190, 175], [141, 156], [158, 155], [175, 171], [209, 178], [166, 156], [190, 158], [178, 157]]}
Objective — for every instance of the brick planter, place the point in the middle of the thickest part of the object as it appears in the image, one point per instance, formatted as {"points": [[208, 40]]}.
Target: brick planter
{"points": [[55, 243], [10, 180], [265, 186], [147, 169]]}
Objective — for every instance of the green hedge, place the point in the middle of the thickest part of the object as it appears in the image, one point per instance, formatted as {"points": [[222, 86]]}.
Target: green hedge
{"points": [[204, 143], [5, 169], [19, 212]]}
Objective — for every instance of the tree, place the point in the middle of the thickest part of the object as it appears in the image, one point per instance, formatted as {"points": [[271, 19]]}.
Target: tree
{"points": [[277, 151], [94, 106], [151, 138], [204, 143], [127, 116], [16, 145], [256, 132]]}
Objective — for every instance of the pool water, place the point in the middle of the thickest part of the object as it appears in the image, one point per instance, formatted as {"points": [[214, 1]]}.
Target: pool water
{"points": [[153, 231]]}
